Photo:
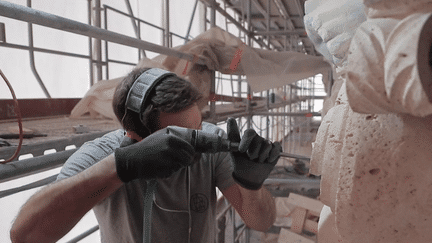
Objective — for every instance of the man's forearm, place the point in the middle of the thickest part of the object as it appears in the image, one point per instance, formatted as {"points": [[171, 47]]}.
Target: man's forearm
{"points": [[258, 208], [53, 211]]}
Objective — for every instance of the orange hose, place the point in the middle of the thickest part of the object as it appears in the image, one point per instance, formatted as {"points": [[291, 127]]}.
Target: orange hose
{"points": [[18, 112]]}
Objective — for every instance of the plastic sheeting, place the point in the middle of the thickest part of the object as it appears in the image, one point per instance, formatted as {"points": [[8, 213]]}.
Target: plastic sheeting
{"points": [[222, 52]]}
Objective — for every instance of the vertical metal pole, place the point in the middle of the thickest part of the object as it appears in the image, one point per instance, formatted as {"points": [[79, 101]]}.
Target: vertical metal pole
{"points": [[309, 119], [170, 40], [139, 37], [213, 76], [166, 23], [226, 19], [268, 21], [135, 26], [213, 14], [303, 108], [283, 118], [106, 43], [32, 59], [202, 12], [89, 12], [239, 78], [191, 21], [268, 117], [98, 42], [239, 94], [249, 42], [260, 125], [290, 120], [285, 37], [313, 93], [272, 122]]}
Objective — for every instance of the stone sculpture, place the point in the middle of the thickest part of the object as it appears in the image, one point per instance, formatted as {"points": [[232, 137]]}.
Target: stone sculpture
{"points": [[374, 146]]}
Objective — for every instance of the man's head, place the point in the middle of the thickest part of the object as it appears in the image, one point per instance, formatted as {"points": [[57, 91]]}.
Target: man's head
{"points": [[167, 101]]}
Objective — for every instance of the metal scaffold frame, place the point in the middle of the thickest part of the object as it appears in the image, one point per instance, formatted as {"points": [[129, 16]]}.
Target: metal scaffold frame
{"points": [[277, 121]]}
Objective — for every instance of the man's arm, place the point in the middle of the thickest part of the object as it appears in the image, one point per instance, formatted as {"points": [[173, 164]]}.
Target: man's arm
{"points": [[256, 207], [54, 210], [57, 208], [255, 159]]}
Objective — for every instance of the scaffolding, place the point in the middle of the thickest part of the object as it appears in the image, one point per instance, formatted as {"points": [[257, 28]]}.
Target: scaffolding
{"points": [[289, 115]]}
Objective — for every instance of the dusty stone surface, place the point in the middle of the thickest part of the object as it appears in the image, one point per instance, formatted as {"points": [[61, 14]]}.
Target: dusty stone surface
{"points": [[396, 8], [384, 67], [374, 146], [331, 24], [384, 185], [375, 174]]}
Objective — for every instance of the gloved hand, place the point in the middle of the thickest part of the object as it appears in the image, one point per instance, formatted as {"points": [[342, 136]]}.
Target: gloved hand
{"points": [[157, 156], [255, 159]]}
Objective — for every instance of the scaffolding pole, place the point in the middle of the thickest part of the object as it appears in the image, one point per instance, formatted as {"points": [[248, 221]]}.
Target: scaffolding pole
{"points": [[90, 42], [32, 58], [166, 23], [135, 25], [19, 12], [216, 7], [98, 41], [213, 73]]}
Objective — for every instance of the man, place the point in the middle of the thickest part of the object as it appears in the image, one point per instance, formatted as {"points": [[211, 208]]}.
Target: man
{"points": [[111, 174]]}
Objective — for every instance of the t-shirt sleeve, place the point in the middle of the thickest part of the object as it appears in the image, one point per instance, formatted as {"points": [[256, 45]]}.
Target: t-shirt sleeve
{"points": [[90, 153], [223, 170], [222, 161]]}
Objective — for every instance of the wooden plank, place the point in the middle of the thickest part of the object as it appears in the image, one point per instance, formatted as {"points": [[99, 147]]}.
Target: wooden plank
{"points": [[287, 236], [31, 108], [311, 226], [298, 220], [314, 206]]}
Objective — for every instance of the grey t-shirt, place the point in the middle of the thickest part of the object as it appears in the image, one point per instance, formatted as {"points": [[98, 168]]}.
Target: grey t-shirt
{"points": [[187, 197]]}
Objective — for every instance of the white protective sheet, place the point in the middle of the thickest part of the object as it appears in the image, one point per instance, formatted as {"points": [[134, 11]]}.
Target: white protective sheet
{"points": [[222, 52]]}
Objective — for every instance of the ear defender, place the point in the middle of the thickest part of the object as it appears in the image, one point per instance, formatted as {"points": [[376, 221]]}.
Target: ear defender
{"points": [[138, 95]]}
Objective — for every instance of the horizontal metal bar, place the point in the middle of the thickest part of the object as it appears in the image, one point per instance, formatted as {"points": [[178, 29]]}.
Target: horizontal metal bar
{"points": [[259, 17], [133, 17], [9, 45], [280, 32], [260, 111], [38, 149], [295, 156], [234, 21], [313, 183], [84, 235], [121, 62], [25, 167], [286, 113], [216, 6], [179, 36], [34, 16], [29, 186], [316, 97]]}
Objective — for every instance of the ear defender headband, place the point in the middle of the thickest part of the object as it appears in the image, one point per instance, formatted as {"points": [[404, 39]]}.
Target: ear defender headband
{"points": [[138, 95]]}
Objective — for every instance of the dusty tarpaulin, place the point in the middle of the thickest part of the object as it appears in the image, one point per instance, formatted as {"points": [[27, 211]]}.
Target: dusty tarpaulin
{"points": [[223, 52]]}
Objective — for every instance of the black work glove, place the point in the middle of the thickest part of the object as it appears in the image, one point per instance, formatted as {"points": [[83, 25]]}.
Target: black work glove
{"points": [[255, 159], [157, 156]]}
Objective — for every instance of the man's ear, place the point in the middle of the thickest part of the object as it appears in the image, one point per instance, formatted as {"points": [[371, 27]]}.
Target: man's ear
{"points": [[133, 136]]}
